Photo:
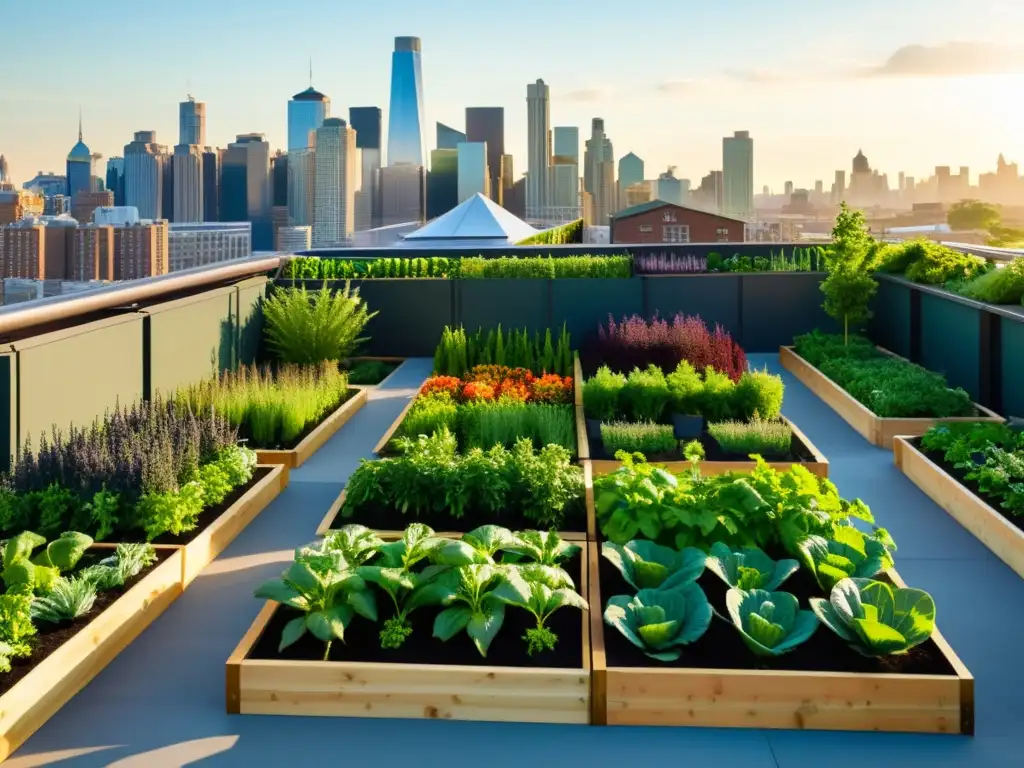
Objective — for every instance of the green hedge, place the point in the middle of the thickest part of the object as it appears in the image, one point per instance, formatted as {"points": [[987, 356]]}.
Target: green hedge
{"points": [[566, 234], [475, 267]]}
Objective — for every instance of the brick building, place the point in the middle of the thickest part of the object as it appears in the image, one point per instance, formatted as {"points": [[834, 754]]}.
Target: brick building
{"points": [[85, 203], [661, 222], [141, 250]]}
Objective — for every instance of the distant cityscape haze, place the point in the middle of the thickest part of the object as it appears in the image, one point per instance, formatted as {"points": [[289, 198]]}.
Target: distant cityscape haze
{"points": [[811, 82]]}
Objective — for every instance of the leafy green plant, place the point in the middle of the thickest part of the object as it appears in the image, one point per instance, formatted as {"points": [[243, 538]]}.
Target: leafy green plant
{"points": [[484, 423], [542, 547], [429, 414], [647, 438], [127, 562], [849, 286], [327, 591], [771, 623], [636, 499], [477, 607], [601, 394], [715, 400], [876, 619], [16, 628], [772, 438], [547, 267], [758, 394], [39, 574], [368, 372], [659, 622], [749, 567], [936, 264], [645, 394], [548, 589], [846, 553], [479, 546], [685, 387], [1002, 285], [646, 565], [356, 543], [458, 352], [66, 600], [306, 327], [562, 235]]}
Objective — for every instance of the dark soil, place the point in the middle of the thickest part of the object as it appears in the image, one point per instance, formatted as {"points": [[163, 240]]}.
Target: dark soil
{"points": [[391, 519], [244, 434], [51, 637], [362, 641], [798, 452], [722, 647], [961, 477]]}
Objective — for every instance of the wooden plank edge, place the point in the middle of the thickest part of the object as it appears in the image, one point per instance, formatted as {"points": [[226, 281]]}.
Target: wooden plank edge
{"points": [[598, 661], [819, 457], [589, 501], [312, 442], [601, 467], [386, 438], [582, 441], [332, 512], [233, 666], [577, 380]]}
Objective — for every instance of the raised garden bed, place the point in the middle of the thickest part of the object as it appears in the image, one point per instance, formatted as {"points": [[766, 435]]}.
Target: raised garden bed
{"points": [[822, 685], [375, 370], [1002, 534], [425, 679], [391, 522], [875, 429], [37, 687], [315, 437], [803, 452]]}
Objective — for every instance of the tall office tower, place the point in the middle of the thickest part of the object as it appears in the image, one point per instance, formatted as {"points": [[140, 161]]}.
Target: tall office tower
{"points": [[144, 164], [115, 178], [23, 250], [670, 189], [55, 205], [294, 239], [306, 113], [538, 149], [90, 253], [631, 171], [188, 183], [738, 175], [442, 182], [819, 186], [565, 173], [402, 194], [141, 250], [448, 137], [279, 179], [211, 184], [405, 121], [473, 174], [245, 193], [338, 171], [788, 189], [84, 203], [599, 174], [301, 180], [839, 188], [710, 193], [5, 170], [168, 196], [192, 122], [366, 121], [487, 125], [79, 173], [507, 175]]}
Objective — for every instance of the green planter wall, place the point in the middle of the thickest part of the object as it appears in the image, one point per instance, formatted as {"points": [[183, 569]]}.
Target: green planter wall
{"points": [[508, 303], [583, 304], [949, 341], [411, 315], [714, 297], [1012, 374], [890, 326], [776, 306]]}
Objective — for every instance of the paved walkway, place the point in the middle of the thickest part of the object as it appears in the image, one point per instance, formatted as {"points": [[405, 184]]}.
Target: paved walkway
{"points": [[161, 702]]}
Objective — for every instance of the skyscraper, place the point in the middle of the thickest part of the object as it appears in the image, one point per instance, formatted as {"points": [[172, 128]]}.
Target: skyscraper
{"points": [[79, 173], [366, 121], [402, 194], [405, 120], [538, 149], [115, 178], [599, 174], [211, 184], [738, 175], [473, 173], [337, 181], [188, 183], [192, 122], [301, 179], [631, 171], [442, 182], [487, 125], [565, 172], [5, 170], [144, 164], [448, 137], [245, 193], [306, 112]]}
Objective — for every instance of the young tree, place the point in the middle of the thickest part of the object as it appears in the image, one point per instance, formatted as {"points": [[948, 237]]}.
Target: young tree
{"points": [[849, 286], [973, 214]]}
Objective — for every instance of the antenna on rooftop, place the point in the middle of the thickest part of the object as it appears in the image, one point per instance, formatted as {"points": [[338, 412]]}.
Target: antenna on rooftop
{"points": [[310, 71]]}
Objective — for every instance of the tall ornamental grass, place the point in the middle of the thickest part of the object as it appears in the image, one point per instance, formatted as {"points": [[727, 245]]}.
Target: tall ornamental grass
{"points": [[308, 327]]}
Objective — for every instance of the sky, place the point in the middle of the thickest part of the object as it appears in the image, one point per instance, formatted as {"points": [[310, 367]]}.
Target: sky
{"points": [[914, 83]]}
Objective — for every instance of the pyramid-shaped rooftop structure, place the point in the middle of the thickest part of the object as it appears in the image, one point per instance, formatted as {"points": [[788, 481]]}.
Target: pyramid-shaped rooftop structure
{"points": [[476, 221]]}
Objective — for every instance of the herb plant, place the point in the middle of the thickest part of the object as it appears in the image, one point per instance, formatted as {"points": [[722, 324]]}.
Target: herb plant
{"points": [[646, 565], [546, 593], [459, 351], [659, 622], [66, 600], [749, 567], [647, 438], [310, 327], [772, 438], [771, 623]]}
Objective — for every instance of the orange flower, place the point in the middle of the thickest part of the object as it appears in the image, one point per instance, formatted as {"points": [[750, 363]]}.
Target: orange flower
{"points": [[514, 390], [552, 388], [449, 384], [478, 390]]}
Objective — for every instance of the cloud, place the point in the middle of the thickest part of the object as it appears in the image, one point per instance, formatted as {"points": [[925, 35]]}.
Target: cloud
{"points": [[760, 76], [951, 60], [674, 86], [585, 95]]}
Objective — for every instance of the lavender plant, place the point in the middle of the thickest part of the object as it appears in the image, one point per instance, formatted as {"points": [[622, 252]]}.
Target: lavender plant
{"points": [[669, 264]]}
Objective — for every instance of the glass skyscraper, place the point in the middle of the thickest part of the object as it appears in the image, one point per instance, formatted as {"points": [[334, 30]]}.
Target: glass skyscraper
{"points": [[405, 121], [448, 137], [738, 175], [367, 124], [306, 112], [442, 182], [79, 169], [487, 125]]}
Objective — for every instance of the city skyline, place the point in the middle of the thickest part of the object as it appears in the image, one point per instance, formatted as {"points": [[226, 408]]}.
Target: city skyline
{"points": [[796, 92]]}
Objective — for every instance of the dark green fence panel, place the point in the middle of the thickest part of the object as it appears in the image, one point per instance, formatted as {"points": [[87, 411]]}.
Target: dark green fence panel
{"points": [[890, 326], [510, 303], [949, 341], [716, 298], [412, 315], [776, 306], [1012, 379], [583, 304]]}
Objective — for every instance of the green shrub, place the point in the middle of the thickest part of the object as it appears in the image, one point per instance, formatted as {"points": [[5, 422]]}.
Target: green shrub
{"points": [[328, 268], [760, 436], [601, 394], [757, 393], [816, 347], [1004, 285], [308, 328], [715, 402], [547, 267], [684, 388], [646, 394], [367, 372], [643, 437], [938, 265], [429, 414], [894, 388], [566, 234], [484, 424]]}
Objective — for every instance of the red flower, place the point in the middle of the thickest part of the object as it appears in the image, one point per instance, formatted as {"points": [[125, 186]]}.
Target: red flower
{"points": [[478, 390], [495, 374], [449, 384], [552, 388], [514, 390]]}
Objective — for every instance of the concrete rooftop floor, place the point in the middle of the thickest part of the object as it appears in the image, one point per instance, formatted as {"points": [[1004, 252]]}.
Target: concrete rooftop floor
{"points": [[161, 701]]}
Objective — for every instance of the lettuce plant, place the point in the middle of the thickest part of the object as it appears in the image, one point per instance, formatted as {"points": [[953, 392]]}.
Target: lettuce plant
{"points": [[659, 621], [771, 623], [476, 607], [544, 547], [749, 567], [848, 553], [646, 565], [356, 543], [67, 600], [547, 588], [327, 591], [479, 546], [41, 572], [875, 618]]}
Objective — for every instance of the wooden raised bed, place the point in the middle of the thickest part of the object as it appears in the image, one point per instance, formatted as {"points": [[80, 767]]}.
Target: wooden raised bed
{"points": [[727, 698], [875, 429], [984, 522], [50, 685], [817, 467], [312, 442], [325, 525], [409, 691], [396, 360]]}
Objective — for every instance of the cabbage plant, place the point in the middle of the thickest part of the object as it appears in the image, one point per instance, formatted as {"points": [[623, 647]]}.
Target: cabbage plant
{"points": [[749, 567], [771, 623], [646, 565], [875, 618], [659, 621], [848, 553]]}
